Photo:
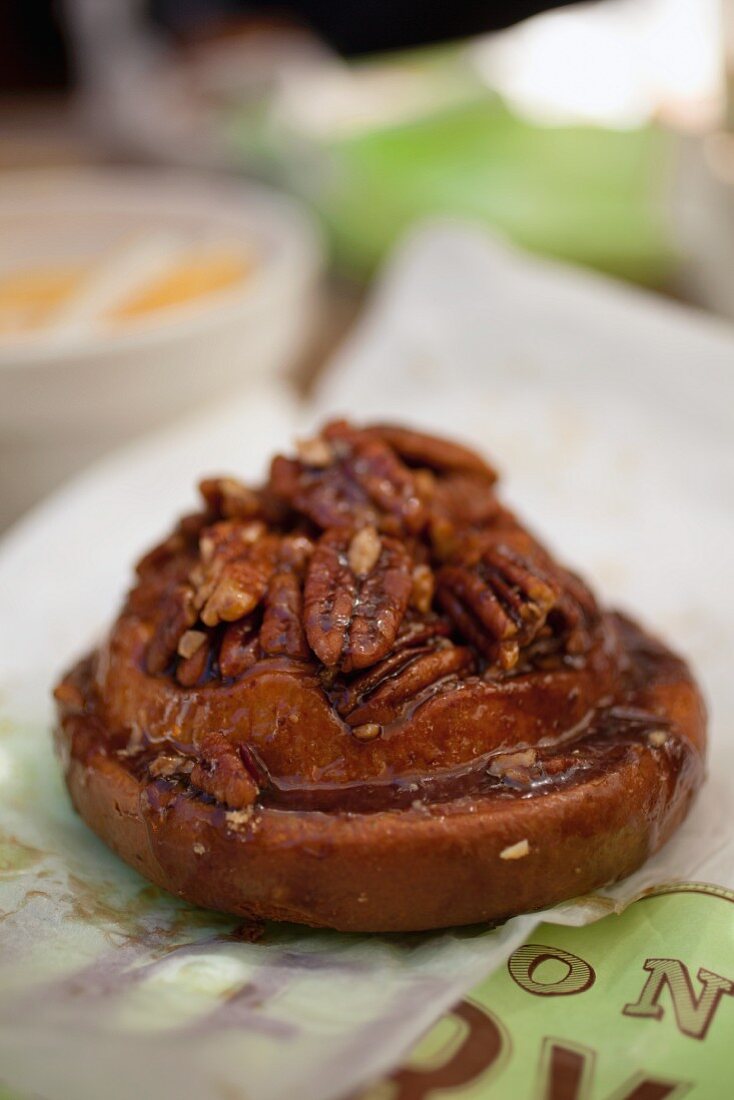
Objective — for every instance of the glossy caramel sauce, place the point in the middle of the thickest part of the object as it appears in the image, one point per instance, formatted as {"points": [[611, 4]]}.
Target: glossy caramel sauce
{"points": [[623, 726]]}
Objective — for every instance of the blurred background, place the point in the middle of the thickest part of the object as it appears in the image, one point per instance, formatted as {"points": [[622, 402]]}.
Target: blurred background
{"points": [[195, 194]]}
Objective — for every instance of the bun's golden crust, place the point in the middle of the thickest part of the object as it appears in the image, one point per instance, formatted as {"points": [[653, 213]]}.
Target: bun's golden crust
{"points": [[364, 697]]}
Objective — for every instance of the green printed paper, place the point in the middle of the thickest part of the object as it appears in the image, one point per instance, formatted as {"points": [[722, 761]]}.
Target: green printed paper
{"points": [[635, 1007]]}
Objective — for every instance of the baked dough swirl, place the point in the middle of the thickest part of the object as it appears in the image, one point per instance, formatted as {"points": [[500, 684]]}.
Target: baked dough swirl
{"points": [[364, 696]]}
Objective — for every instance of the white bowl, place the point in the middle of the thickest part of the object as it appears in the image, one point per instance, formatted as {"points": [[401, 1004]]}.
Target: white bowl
{"points": [[65, 401]]}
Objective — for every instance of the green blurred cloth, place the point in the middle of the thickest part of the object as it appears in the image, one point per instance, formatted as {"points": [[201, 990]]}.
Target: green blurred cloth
{"points": [[585, 194]]}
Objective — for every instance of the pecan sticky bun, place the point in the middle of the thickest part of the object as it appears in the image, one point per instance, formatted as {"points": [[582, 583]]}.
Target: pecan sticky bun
{"points": [[363, 695]]}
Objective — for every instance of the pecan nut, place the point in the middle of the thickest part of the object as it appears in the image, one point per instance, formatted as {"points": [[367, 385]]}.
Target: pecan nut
{"points": [[377, 697], [498, 603], [574, 614], [463, 500], [353, 620], [178, 614], [423, 586], [364, 551], [230, 498], [171, 553], [364, 482], [315, 452], [239, 649], [192, 669], [282, 632], [433, 452], [220, 772], [237, 561], [415, 554], [190, 642]]}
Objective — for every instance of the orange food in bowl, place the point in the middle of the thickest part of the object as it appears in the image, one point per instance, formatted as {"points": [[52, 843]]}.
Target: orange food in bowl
{"points": [[41, 297], [193, 276], [29, 298]]}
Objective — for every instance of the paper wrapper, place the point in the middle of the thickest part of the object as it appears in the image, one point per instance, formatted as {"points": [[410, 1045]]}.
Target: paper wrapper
{"points": [[611, 415]]}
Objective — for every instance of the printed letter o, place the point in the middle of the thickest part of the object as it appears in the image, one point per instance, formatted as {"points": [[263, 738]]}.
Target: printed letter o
{"points": [[524, 962]]}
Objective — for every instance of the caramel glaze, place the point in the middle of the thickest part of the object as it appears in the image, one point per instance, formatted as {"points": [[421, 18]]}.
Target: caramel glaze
{"points": [[483, 726]]}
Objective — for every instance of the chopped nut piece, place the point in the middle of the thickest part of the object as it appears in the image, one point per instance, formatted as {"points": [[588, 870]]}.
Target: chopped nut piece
{"points": [[191, 642], [237, 499], [230, 600], [421, 594], [191, 670], [163, 766], [207, 546], [512, 764], [425, 483], [229, 497], [69, 695], [315, 452], [237, 560], [368, 732], [199, 849], [508, 654], [364, 551], [516, 851], [251, 532], [237, 819], [657, 738]]}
